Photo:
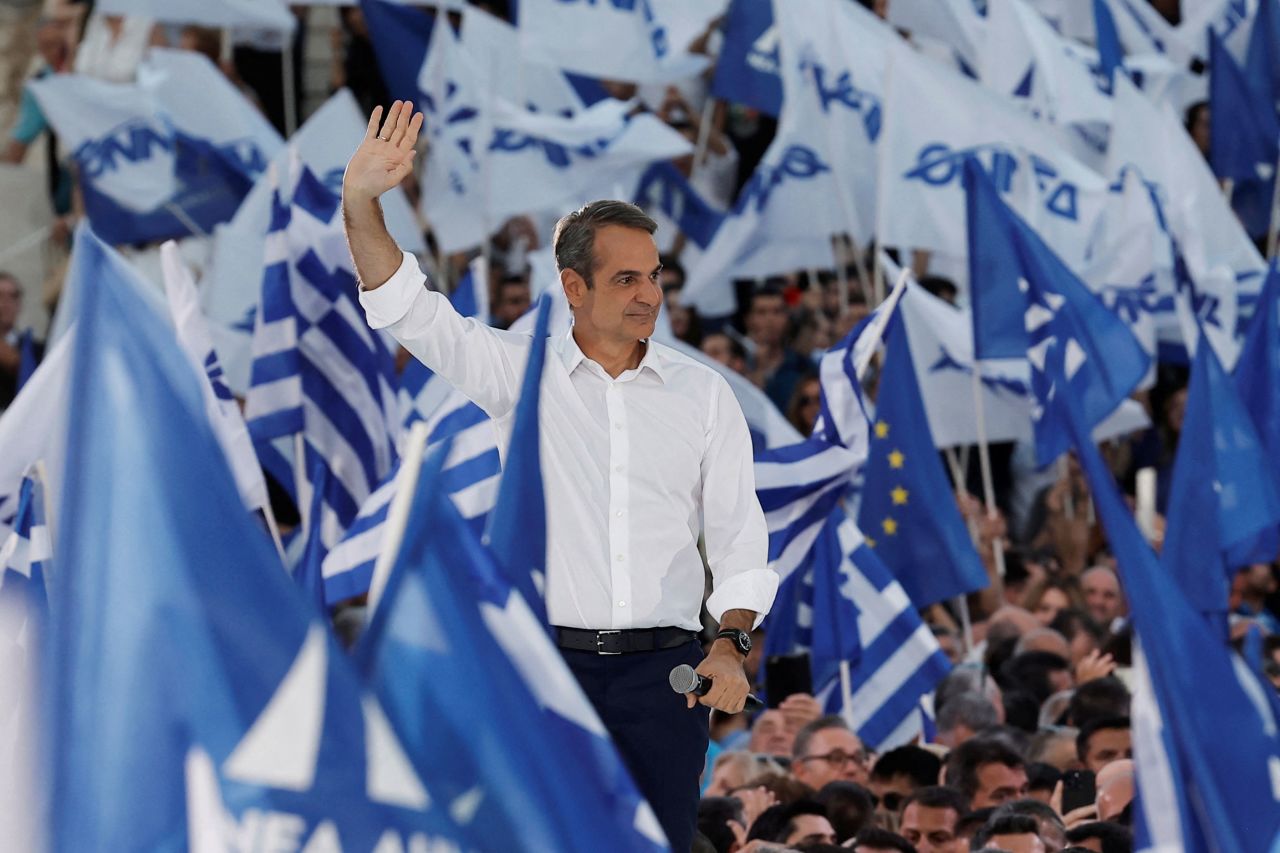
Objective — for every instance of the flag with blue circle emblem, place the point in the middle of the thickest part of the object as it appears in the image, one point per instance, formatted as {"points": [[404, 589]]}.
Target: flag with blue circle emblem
{"points": [[1027, 302]]}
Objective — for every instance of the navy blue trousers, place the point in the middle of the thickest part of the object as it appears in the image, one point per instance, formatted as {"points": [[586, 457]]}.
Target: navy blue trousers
{"points": [[662, 742]]}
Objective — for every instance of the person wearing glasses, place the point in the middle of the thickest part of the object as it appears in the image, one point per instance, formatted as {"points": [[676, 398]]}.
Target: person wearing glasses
{"points": [[826, 751]]}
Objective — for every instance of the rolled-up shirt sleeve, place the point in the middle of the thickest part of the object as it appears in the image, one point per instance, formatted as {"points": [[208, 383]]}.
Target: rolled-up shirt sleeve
{"points": [[482, 362], [734, 530]]}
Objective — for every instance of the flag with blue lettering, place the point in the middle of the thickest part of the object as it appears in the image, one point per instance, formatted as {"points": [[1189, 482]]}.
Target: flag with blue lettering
{"points": [[845, 605], [1224, 501], [171, 155], [320, 375], [1027, 300], [960, 25], [908, 509], [663, 188], [1244, 130], [274, 738], [1257, 372], [921, 193], [1196, 790], [748, 69], [454, 650], [612, 40]]}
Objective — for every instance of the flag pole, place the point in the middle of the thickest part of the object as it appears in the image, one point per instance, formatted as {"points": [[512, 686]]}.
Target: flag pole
{"points": [[846, 693], [962, 601], [398, 513], [289, 86], [984, 464], [704, 136]]}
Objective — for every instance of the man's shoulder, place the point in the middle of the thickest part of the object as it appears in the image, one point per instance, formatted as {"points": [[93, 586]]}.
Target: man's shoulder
{"points": [[686, 367]]}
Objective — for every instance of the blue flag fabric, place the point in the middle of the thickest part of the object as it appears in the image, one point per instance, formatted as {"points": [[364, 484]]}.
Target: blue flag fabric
{"points": [[471, 683], [908, 510], [517, 533], [749, 68], [1198, 790], [1110, 54], [1224, 502], [1262, 58], [192, 693], [25, 559], [664, 188], [28, 357], [1026, 302], [1257, 370], [1243, 128], [402, 33]]}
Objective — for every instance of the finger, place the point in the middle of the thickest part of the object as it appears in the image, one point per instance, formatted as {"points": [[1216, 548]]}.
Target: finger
{"points": [[693, 700], [372, 131], [390, 123], [402, 124], [411, 139]]}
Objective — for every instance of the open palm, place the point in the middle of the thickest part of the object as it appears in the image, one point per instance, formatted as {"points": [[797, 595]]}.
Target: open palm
{"points": [[385, 155]]}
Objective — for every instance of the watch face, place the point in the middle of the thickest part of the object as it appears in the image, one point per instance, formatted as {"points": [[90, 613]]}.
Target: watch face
{"points": [[744, 642]]}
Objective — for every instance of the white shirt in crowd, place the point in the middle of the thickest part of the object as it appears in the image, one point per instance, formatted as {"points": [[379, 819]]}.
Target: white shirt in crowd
{"points": [[111, 57], [632, 467]]}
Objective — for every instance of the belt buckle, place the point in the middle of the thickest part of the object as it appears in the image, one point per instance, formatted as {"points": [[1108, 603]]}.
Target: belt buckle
{"points": [[600, 642]]}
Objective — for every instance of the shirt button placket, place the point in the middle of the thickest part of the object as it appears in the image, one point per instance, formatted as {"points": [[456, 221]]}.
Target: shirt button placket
{"points": [[619, 509]]}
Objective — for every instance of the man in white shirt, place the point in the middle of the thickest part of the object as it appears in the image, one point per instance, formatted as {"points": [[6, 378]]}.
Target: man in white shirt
{"points": [[642, 450]]}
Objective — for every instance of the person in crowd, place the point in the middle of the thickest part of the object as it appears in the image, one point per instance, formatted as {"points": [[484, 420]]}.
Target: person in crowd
{"points": [[355, 65], [805, 405], [1115, 788], [987, 771], [801, 822], [1083, 635], [1101, 837], [1050, 595], [1012, 833], [826, 750], [1055, 747], [684, 320], [1040, 673], [970, 823], [1197, 124], [113, 46], [1044, 640], [772, 734], [930, 819], [513, 300], [723, 822], [873, 839], [733, 770], [963, 717], [850, 808], [55, 58], [10, 338], [639, 426], [727, 350], [1250, 589], [1042, 778], [1103, 697], [1049, 826], [900, 772], [1102, 596], [775, 366], [1103, 740]]}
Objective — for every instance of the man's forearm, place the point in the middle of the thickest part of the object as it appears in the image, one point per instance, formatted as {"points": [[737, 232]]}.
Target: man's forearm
{"points": [[373, 249], [740, 620]]}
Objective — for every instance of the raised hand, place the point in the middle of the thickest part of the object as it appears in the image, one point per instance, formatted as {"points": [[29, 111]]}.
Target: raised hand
{"points": [[385, 156]]}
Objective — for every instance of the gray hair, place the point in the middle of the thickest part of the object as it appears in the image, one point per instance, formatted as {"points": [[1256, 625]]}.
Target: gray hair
{"points": [[800, 747], [972, 710], [575, 233]]}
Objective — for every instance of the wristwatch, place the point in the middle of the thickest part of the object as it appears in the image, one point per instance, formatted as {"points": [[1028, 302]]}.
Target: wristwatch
{"points": [[741, 639]]}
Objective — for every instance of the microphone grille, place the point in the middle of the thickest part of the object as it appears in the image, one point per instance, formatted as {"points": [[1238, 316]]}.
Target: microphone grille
{"points": [[683, 679]]}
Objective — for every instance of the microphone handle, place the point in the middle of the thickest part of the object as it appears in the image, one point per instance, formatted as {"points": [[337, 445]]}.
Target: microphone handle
{"points": [[703, 686]]}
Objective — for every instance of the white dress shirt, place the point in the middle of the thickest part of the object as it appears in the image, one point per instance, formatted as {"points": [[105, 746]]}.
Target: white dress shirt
{"points": [[633, 468]]}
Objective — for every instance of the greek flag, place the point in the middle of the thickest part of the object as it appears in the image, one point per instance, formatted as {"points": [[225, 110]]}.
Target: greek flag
{"points": [[319, 373]]}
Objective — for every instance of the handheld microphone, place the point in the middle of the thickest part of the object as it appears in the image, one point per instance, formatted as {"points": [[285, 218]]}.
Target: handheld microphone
{"points": [[684, 680]]}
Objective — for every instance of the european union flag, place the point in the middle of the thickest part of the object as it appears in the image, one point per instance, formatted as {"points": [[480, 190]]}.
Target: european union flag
{"points": [[473, 684], [1205, 735], [1025, 296], [908, 509], [1224, 503], [191, 696], [517, 533]]}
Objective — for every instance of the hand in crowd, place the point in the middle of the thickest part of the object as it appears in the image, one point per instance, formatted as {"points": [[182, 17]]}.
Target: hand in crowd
{"points": [[754, 802], [800, 709], [385, 157], [1093, 666]]}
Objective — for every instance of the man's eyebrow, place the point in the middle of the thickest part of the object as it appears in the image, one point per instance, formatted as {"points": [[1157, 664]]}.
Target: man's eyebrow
{"points": [[621, 273]]}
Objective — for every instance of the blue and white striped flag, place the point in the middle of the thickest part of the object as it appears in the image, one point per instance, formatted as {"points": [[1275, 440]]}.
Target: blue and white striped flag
{"points": [[25, 556], [319, 372]]}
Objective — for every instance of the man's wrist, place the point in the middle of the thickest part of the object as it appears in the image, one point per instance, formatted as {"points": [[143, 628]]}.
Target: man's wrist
{"points": [[724, 647]]}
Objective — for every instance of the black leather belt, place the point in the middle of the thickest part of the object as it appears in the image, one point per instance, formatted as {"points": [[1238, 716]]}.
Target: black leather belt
{"points": [[622, 642]]}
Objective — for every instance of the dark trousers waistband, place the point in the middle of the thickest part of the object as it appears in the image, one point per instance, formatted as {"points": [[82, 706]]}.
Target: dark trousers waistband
{"points": [[622, 642]]}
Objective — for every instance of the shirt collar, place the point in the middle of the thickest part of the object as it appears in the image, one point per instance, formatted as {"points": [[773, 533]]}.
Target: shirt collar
{"points": [[572, 356]]}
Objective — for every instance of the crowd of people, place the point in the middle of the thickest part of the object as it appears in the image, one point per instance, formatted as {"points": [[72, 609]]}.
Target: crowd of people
{"points": [[1040, 689]]}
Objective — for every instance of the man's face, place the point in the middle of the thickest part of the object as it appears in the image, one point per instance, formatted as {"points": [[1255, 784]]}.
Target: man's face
{"points": [[51, 42], [931, 830], [810, 829], [10, 303], [1106, 746], [998, 783], [767, 320], [833, 754], [513, 302], [892, 791], [1021, 842], [622, 304], [1101, 595], [771, 735]]}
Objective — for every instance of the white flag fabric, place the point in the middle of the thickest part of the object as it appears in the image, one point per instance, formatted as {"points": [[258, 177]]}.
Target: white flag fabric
{"points": [[262, 14], [507, 73], [610, 40], [33, 428], [934, 118], [490, 159], [956, 23], [220, 405]]}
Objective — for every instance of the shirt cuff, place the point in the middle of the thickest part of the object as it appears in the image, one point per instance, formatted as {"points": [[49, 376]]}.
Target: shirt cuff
{"points": [[751, 590], [390, 302]]}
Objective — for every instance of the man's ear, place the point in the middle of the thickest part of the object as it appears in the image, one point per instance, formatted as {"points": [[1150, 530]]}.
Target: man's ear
{"points": [[575, 287]]}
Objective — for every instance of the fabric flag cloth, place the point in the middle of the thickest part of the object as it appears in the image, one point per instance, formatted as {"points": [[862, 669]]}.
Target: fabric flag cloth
{"points": [[845, 605], [1196, 790], [517, 529], [920, 183], [220, 404], [320, 375], [663, 188], [28, 356], [1027, 301], [1244, 130], [748, 69], [260, 14], [546, 773], [1262, 59], [1107, 38], [1224, 501], [276, 729], [171, 155], [1257, 372], [908, 510], [611, 41]]}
